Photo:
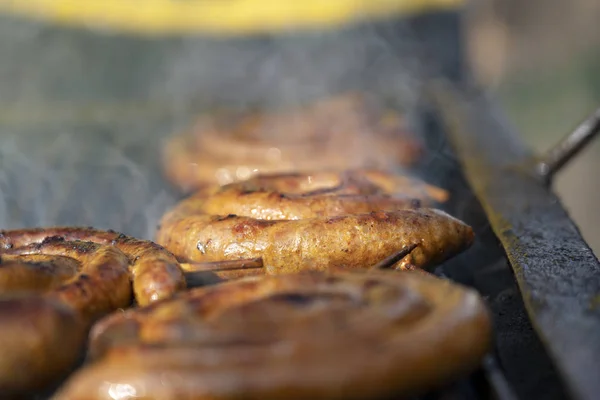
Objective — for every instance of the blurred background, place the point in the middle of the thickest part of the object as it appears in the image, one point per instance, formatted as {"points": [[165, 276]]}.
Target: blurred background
{"points": [[541, 58]]}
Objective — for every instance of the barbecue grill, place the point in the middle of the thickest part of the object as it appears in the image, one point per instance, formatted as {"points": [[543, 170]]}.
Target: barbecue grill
{"points": [[85, 112]]}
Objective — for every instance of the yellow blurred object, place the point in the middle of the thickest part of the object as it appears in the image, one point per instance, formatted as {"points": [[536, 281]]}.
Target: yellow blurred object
{"points": [[221, 17]]}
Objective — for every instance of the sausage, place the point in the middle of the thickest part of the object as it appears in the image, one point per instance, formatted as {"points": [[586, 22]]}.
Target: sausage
{"points": [[351, 241], [338, 133], [35, 272], [102, 283], [352, 219], [156, 273], [41, 340], [47, 307], [307, 195], [312, 335]]}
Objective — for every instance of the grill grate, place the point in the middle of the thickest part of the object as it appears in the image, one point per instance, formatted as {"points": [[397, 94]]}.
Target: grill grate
{"points": [[557, 273]]}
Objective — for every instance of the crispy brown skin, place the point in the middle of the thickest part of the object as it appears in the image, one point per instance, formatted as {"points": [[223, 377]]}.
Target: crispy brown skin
{"points": [[43, 334], [318, 194], [36, 272], [64, 279], [339, 133], [102, 283], [40, 341], [156, 272], [294, 222], [298, 336], [352, 241]]}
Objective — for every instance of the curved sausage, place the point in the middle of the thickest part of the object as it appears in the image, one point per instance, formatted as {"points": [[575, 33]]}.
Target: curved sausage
{"points": [[337, 133], [47, 307], [156, 272], [297, 336], [352, 219]]}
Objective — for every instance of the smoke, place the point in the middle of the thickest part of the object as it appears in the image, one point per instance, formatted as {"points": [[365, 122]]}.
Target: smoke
{"points": [[83, 114], [292, 69]]}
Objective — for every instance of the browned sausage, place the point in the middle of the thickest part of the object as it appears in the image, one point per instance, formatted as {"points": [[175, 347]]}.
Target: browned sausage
{"points": [[36, 272], [47, 307], [352, 241], [296, 336], [318, 194], [337, 133], [41, 341], [351, 219], [156, 272]]}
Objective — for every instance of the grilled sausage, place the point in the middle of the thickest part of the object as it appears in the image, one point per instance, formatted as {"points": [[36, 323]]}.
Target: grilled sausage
{"points": [[349, 220], [298, 336], [339, 133], [308, 195], [41, 341], [156, 273], [352, 241], [46, 307], [35, 272]]}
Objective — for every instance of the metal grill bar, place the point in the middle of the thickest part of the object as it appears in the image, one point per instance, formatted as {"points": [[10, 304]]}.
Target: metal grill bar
{"points": [[557, 273], [566, 149]]}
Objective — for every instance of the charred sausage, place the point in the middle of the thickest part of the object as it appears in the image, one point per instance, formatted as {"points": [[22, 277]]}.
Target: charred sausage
{"points": [[312, 335], [47, 306], [314, 221], [156, 273]]}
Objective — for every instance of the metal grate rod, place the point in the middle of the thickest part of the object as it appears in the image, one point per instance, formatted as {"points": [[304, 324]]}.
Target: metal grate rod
{"points": [[569, 147]]}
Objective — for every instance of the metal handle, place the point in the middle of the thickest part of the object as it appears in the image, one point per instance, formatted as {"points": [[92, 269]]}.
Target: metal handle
{"points": [[568, 147]]}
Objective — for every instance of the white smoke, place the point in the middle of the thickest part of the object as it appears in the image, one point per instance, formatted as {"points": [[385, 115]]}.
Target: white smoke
{"points": [[82, 114]]}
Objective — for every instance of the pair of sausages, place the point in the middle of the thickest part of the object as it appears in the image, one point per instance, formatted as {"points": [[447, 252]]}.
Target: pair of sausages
{"points": [[294, 222], [54, 283], [311, 335]]}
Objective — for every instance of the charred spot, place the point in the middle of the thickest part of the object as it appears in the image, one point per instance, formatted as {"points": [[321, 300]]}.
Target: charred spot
{"points": [[277, 195], [52, 239], [307, 299], [8, 246], [84, 277], [226, 217], [111, 231], [84, 247], [121, 236], [296, 299], [91, 228], [415, 203]]}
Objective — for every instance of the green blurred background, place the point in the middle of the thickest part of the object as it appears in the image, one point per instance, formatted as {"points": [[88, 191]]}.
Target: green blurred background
{"points": [[541, 58]]}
